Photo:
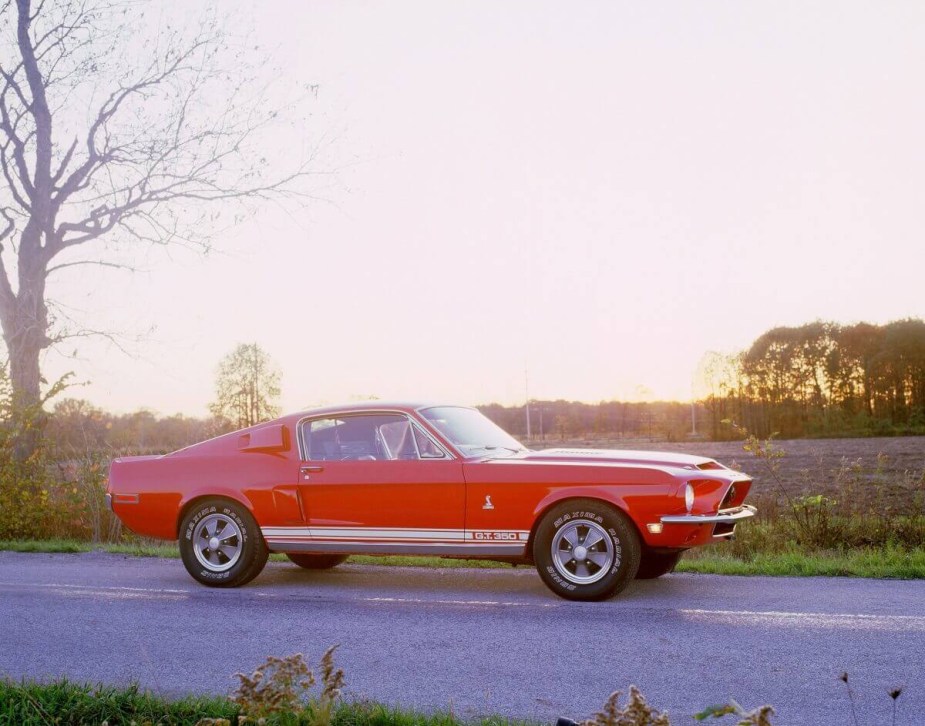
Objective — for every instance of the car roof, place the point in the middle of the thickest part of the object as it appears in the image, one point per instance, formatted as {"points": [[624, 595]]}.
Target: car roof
{"points": [[360, 406]]}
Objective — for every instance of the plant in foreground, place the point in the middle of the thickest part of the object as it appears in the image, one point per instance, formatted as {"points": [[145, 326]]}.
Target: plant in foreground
{"points": [[637, 712], [282, 686], [761, 716], [894, 694]]}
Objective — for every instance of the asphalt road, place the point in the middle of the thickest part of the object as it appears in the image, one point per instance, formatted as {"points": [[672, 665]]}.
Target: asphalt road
{"points": [[476, 641]]}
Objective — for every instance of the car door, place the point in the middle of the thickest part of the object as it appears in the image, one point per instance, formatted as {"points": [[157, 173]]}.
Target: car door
{"points": [[367, 482]]}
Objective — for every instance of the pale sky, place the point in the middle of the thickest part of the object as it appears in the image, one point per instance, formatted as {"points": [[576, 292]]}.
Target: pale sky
{"points": [[596, 192]]}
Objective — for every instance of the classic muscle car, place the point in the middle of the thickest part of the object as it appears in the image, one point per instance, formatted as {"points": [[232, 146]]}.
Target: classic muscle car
{"points": [[378, 478]]}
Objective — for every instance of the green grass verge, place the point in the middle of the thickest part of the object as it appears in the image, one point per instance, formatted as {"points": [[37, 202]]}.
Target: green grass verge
{"points": [[66, 703], [139, 549], [63, 702], [874, 562], [879, 563]]}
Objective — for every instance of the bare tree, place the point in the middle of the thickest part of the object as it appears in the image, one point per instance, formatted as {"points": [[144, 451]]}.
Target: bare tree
{"points": [[108, 141], [246, 387]]}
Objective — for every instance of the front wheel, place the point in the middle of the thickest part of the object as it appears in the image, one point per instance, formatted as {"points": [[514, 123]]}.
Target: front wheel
{"points": [[221, 545], [586, 550], [316, 562], [656, 564]]}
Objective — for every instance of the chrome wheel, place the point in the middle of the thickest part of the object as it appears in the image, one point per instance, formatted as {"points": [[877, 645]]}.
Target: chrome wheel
{"points": [[582, 552], [217, 542]]}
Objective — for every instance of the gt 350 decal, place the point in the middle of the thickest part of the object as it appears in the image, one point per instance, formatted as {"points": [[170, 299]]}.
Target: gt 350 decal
{"points": [[494, 535]]}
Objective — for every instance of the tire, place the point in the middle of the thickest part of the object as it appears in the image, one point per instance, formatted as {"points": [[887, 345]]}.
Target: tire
{"points": [[316, 562], [602, 570], [656, 564], [215, 558]]}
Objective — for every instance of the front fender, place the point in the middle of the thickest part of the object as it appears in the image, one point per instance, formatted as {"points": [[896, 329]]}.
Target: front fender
{"points": [[642, 503]]}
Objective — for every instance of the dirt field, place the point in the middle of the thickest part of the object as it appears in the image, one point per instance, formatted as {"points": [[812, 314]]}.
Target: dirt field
{"points": [[810, 466]]}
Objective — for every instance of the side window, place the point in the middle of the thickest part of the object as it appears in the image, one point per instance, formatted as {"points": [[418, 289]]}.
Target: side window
{"points": [[321, 439], [427, 448], [365, 437], [397, 439]]}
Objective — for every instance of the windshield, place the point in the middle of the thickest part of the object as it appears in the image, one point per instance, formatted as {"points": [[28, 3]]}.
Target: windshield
{"points": [[470, 431]]}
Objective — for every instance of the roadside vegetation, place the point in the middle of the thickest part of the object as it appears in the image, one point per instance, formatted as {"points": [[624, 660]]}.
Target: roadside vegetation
{"points": [[287, 692]]}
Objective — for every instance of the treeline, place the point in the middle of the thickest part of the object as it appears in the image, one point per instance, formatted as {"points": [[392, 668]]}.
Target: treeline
{"points": [[818, 379], [77, 426], [822, 379]]}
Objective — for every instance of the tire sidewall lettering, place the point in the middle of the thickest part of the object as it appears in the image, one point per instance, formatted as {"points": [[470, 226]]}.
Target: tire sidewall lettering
{"points": [[195, 520]]}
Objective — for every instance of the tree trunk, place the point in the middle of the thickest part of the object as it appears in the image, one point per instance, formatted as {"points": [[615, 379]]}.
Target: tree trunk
{"points": [[29, 418], [25, 329]]}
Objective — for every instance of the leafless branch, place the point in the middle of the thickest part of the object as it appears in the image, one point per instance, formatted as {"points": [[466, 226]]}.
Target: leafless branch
{"points": [[97, 263], [179, 127]]}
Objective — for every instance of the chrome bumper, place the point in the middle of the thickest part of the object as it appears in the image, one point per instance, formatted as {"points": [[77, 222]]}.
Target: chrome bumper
{"points": [[730, 515]]}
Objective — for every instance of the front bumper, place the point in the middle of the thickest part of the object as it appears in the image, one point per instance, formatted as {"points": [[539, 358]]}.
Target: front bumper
{"points": [[728, 516]]}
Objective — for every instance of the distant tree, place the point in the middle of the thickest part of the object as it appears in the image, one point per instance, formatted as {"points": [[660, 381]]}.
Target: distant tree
{"points": [[717, 384], [105, 135], [78, 425], [246, 387]]}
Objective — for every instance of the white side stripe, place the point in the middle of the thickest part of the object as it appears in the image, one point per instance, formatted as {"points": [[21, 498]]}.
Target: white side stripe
{"points": [[396, 533]]}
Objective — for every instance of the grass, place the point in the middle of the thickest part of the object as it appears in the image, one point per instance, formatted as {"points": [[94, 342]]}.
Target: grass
{"points": [[878, 563], [888, 562], [139, 549], [65, 703]]}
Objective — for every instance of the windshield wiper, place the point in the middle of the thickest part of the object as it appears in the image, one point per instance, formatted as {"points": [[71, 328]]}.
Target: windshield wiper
{"points": [[492, 447]]}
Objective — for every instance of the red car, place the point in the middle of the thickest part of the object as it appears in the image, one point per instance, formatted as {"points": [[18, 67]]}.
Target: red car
{"points": [[384, 479]]}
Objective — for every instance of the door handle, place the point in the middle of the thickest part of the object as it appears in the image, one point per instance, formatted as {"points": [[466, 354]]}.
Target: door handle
{"points": [[306, 470]]}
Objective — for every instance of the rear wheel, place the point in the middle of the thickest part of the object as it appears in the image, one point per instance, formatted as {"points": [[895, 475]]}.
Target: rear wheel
{"points": [[316, 562], [585, 549], [221, 544], [656, 564]]}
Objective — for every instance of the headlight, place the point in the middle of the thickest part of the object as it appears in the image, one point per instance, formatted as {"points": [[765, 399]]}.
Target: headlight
{"points": [[689, 496]]}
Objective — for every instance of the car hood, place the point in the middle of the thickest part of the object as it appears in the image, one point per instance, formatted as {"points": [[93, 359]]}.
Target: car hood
{"points": [[620, 456]]}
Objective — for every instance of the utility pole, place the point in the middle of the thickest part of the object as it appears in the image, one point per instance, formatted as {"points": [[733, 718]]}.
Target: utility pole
{"points": [[693, 408], [527, 397]]}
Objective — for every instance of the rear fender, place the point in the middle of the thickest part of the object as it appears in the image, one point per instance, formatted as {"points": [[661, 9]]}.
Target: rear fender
{"points": [[196, 495]]}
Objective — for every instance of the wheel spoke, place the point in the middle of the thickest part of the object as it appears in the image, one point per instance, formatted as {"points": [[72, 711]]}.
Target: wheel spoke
{"points": [[228, 550], [581, 569], [570, 535], [598, 558], [212, 556], [210, 528], [565, 556], [592, 538], [228, 532]]}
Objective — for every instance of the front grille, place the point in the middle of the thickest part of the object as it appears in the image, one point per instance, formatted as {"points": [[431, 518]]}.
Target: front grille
{"points": [[729, 498]]}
